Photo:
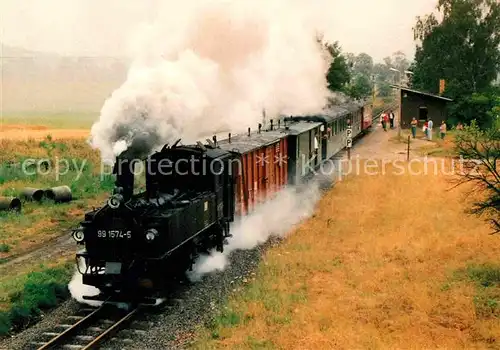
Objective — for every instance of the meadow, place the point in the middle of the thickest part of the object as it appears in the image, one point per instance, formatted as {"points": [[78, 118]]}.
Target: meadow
{"points": [[51, 119], [386, 262], [36, 284]]}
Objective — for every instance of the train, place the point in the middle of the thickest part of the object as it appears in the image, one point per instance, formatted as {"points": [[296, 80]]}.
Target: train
{"points": [[140, 242]]}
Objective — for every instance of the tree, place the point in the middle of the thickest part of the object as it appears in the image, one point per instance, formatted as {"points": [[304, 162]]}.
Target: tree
{"points": [[363, 64], [360, 87], [480, 151], [383, 72], [399, 61], [482, 107], [463, 48], [384, 89], [338, 73]]}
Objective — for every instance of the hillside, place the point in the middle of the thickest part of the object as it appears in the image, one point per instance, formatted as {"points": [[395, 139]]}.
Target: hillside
{"points": [[48, 82]]}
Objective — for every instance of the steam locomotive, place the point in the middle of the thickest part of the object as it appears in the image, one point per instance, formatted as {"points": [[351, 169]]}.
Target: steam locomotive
{"points": [[139, 243]]}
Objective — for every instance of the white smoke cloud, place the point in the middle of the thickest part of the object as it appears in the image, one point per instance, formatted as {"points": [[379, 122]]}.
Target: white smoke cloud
{"points": [[209, 66], [274, 218], [78, 290]]}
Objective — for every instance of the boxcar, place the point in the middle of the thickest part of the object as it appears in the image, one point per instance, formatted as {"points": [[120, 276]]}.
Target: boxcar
{"points": [[262, 167]]}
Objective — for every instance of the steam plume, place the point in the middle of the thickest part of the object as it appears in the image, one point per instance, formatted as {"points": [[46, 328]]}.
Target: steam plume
{"points": [[206, 67], [273, 218], [78, 289]]}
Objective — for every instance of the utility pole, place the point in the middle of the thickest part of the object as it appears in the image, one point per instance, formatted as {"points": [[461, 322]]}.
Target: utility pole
{"points": [[399, 101]]}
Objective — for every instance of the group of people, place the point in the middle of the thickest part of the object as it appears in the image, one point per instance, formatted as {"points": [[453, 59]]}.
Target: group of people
{"points": [[387, 118], [427, 128]]}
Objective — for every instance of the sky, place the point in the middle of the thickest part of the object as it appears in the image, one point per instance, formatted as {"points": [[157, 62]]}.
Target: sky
{"points": [[105, 27]]}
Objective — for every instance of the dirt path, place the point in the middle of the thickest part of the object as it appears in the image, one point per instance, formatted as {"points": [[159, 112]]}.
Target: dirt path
{"points": [[384, 145], [55, 247]]}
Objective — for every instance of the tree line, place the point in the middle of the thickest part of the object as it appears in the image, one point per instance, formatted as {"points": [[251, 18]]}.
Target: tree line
{"points": [[359, 76], [460, 45]]}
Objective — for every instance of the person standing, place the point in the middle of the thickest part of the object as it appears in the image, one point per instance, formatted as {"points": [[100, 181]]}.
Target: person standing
{"points": [[386, 121], [424, 128], [429, 129], [414, 124], [442, 130], [391, 118]]}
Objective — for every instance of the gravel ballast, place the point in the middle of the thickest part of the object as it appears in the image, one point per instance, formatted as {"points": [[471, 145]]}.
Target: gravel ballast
{"points": [[172, 324]]}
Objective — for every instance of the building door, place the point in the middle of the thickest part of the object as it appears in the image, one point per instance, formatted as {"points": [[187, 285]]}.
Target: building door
{"points": [[422, 113]]}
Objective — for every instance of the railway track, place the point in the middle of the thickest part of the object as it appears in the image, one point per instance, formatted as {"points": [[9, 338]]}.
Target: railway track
{"points": [[88, 329]]}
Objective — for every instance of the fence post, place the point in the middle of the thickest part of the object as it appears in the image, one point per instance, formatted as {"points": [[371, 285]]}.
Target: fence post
{"points": [[408, 151]]}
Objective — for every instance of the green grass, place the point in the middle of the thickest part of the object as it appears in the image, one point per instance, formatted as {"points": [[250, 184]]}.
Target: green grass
{"points": [[486, 278], [38, 291], [45, 164], [56, 120], [27, 289], [279, 304]]}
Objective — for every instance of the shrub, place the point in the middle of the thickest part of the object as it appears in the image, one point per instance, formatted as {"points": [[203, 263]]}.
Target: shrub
{"points": [[41, 291], [5, 323]]}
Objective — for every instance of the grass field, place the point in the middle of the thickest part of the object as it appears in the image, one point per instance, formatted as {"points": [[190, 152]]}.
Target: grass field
{"points": [[386, 262], [34, 284], [65, 162], [56, 120]]}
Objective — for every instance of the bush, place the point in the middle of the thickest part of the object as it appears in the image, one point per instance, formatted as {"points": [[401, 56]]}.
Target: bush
{"points": [[4, 248], [5, 323], [42, 290]]}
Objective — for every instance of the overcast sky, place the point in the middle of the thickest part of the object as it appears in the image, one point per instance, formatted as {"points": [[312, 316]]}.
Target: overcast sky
{"points": [[103, 27]]}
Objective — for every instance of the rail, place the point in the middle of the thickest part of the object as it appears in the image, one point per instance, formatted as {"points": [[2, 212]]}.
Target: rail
{"points": [[106, 328]]}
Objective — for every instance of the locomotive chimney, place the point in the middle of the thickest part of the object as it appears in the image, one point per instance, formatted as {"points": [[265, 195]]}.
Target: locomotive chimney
{"points": [[124, 170], [271, 124], [248, 132], [229, 138], [215, 140], [260, 127]]}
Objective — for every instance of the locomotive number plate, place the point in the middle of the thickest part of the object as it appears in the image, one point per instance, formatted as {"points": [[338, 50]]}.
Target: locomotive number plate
{"points": [[114, 234]]}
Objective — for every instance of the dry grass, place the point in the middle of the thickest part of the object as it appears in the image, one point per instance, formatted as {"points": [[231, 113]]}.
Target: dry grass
{"points": [[40, 222], [375, 268], [440, 148], [39, 132], [69, 148]]}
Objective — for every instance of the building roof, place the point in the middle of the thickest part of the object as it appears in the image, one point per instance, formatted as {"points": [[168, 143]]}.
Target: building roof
{"points": [[422, 93]]}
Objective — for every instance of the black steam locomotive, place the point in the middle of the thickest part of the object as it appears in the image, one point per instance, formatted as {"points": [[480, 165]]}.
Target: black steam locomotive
{"points": [[137, 243]]}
